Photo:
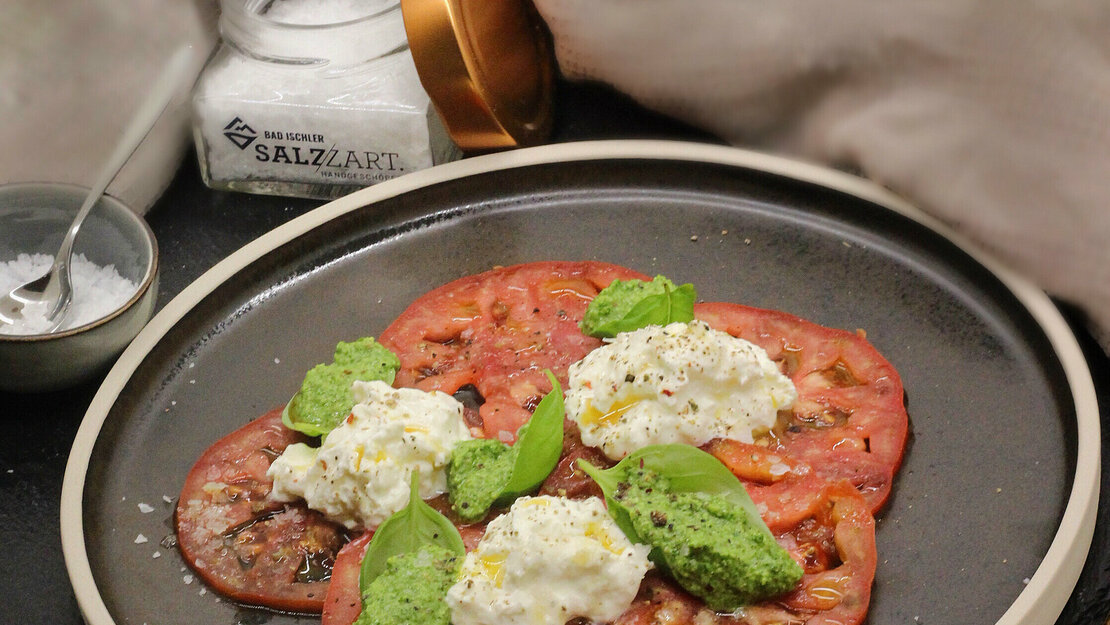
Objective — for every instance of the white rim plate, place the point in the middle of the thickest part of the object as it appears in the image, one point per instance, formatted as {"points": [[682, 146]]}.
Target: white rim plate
{"points": [[1042, 599]]}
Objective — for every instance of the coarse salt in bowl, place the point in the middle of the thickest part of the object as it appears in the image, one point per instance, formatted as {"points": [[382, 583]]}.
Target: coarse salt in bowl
{"points": [[97, 292], [114, 273]]}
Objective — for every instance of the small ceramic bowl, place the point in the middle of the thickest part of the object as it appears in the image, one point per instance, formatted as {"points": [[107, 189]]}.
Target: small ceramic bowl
{"points": [[33, 219]]}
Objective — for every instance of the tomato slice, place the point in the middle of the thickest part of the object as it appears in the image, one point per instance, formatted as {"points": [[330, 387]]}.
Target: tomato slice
{"points": [[850, 420], [835, 544], [248, 548], [567, 479], [843, 529], [782, 488], [343, 603], [498, 331]]}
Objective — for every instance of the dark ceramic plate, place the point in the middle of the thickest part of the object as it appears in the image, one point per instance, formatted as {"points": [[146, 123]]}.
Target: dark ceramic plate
{"points": [[994, 507]]}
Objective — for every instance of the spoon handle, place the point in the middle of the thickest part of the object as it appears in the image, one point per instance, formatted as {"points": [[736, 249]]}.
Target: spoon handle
{"points": [[169, 82]]}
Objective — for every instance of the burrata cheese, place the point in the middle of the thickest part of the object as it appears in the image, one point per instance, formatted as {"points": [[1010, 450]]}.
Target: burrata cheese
{"points": [[360, 474], [545, 562], [680, 383]]}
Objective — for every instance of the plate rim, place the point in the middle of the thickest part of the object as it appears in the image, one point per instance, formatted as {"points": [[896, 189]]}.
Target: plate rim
{"points": [[1039, 603]]}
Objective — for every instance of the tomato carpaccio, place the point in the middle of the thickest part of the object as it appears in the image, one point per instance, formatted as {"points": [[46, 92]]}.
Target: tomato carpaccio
{"points": [[816, 478]]}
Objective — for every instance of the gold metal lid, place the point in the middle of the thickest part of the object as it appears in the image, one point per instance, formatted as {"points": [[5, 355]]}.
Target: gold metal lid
{"points": [[487, 66]]}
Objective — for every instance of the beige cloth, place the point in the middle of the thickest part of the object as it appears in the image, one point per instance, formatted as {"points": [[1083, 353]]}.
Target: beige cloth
{"points": [[72, 72], [992, 116]]}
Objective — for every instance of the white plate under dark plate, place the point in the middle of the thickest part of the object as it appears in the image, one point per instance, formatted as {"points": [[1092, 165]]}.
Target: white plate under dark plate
{"points": [[994, 508]]}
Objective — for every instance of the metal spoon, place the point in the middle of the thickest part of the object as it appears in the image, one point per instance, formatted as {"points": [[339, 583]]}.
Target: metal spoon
{"points": [[53, 291]]}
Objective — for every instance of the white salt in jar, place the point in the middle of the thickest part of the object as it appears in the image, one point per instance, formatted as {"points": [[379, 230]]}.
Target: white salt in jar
{"points": [[313, 98]]}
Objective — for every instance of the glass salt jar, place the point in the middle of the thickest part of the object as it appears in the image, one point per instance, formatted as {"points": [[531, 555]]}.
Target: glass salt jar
{"points": [[313, 98]]}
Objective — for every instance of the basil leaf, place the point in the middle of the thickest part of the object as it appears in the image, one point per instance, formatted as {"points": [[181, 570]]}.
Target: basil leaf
{"points": [[686, 468], [408, 529], [286, 418], [670, 306], [539, 445], [609, 480]]}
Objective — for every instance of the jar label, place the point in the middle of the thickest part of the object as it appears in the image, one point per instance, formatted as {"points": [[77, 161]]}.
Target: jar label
{"points": [[269, 143]]}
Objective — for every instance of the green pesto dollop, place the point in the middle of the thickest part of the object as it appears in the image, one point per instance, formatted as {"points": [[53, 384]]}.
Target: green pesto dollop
{"points": [[325, 398], [710, 546], [627, 305], [482, 473], [411, 589], [477, 473]]}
